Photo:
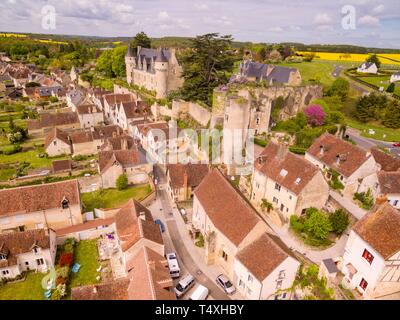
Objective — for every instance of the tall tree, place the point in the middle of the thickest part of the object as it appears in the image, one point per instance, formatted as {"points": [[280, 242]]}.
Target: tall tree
{"points": [[374, 59], [141, 39], [206, 65]]}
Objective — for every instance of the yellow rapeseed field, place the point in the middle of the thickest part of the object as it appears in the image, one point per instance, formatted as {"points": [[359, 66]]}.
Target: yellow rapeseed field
{"points": [[14, 35], [386, 58]]}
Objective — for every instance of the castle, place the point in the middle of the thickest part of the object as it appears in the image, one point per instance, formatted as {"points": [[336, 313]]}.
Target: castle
{"points": [[155, 70]]}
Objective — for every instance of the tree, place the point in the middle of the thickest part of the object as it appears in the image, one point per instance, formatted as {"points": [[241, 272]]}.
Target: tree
{"points": [[374, 59], [308, 57], [122, 182], [118, 61], [340, 88], [104, 63], [266, 205], [142, 40], [315, 115], [275, 56], [339, 221], [391, 88], [392, 115], [206, 65], [317, 224]]}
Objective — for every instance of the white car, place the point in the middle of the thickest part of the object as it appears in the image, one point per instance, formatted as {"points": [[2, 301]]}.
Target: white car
{"points": [[226, 284], [173, 265]]}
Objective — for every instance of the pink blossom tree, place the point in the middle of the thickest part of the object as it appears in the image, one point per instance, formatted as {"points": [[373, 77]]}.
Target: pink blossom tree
{"points": [[315, 115]]}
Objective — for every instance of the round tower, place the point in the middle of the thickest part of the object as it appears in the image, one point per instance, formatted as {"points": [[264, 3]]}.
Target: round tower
{"points": [[130, 64], [161, 71]]}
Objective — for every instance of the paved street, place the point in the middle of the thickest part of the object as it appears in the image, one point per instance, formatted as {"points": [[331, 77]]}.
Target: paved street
{"points": [[176, 238]]}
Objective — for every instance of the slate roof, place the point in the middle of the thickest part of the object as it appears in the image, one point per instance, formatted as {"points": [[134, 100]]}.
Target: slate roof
{"points": [[380, 229], [38, 197], [269, 73], [351, 156]]}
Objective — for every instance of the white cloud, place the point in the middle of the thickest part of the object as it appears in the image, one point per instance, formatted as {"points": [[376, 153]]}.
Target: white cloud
{"points": [[322, 19], [201, 6], [369, 21], [275, 29], [325, 27], [378, 9], [163, 16]]}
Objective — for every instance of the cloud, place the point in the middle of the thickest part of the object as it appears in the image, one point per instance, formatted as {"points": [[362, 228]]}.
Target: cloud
{"points": [[201, 6], [378, 9], [275, 29], [163, 16], [322, 19], [368, 21]]}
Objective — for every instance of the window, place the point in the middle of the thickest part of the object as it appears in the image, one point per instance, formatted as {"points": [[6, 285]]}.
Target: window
{"points": [[275, 200], [6, 272], [55, 142], [281, 274], [363, 284], [40, 261], [258, 121], [282, 207], [3, 257], [250, 278], [35, 249], [249, 291], [279, 284], [27, 263], [224, 256], [241, 284], [277, 187], [368, 256], [65, 204], [395, 203]]}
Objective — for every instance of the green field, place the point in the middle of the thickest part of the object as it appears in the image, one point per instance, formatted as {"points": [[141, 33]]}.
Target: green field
{"points": [[392, 135], [380, 82], [87, 256], [30, 289], [113, 198]]}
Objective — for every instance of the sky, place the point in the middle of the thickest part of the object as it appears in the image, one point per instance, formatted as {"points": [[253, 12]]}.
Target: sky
{"points": [[373, 23]]}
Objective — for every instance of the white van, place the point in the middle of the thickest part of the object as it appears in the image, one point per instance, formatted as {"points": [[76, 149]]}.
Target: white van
{"points": [[200, 293], [184, 285], [173, 265]]}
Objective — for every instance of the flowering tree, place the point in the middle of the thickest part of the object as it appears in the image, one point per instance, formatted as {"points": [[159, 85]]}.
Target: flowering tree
{"points": [[315, 115]]}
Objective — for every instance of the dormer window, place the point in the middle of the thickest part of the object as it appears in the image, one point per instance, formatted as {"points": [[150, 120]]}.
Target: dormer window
{"points": [[368, 256], [65, 203], [36, 249]]}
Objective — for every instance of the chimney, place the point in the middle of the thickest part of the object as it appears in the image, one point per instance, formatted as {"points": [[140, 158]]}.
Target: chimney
{"points": [[282, 151], [124, 143], [381, 200], [185, 183], [338, 159], [321, 150]]}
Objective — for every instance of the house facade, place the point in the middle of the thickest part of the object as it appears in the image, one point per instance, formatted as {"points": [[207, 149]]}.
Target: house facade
{"points": [[340, 160], [372, 252], [53, 205], [25, 251], [89, 115], [395, 77], [287, 181], [57, 143], [368, 67]]}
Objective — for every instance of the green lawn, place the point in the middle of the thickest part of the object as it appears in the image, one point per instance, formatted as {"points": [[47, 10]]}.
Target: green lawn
{"points": [[30, 289], [380, 82], [87, 256], [392, 135], [112, 198]]}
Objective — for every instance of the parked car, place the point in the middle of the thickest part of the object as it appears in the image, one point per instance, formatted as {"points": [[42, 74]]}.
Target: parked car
{"points": [[184, 285], [200, 293], [226, 284], [397, 145], [159, 222], [173, 265]]}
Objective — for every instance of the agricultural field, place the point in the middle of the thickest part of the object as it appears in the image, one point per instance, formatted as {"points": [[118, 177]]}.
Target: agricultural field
{"points": [[381, 81], [386, 58]]}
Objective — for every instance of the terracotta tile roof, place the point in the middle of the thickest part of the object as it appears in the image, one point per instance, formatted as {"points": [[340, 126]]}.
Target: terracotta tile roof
{"points": [[146, 127], [62, 165], [87, 108], [131, 226], [351, 156], [39, 197], [149, 275], [85, 226], [118, 143], [103, 132], [389, 182], [83, 136], [262, 257], [223, 203], [195, 173], [113, 99], [387, 162], [114, 290], [380, 229], [15, 243], [289, 170], [126, 158], [56, 133], [53, 120]]}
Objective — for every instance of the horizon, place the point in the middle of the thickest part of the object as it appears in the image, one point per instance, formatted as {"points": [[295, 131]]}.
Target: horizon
{"points": [[376, 23]]}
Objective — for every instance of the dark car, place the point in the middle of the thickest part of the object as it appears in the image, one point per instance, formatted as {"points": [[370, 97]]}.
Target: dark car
{"points": [[159, 222]]}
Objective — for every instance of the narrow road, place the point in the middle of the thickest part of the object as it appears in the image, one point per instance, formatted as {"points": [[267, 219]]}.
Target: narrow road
{"points": [[184, 255]]}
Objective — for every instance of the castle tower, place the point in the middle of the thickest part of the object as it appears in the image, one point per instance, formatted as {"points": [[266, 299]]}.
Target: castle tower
{"points": [[161, 70], [130, 64]]}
